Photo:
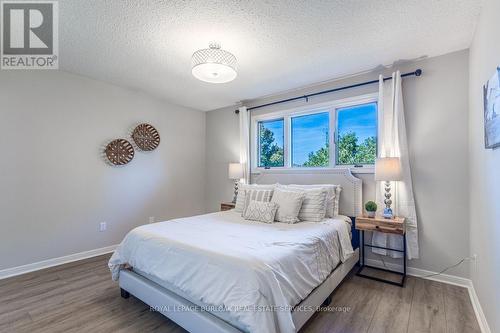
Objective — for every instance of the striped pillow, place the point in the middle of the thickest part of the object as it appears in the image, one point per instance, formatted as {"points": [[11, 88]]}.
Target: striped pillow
{"points": [[314, 205], [242, 188], [336, 204], [256, 195], [332, 197]]}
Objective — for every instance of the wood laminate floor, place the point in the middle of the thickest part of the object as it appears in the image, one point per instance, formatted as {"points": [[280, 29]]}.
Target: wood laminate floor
{"points": [[80, 297]]}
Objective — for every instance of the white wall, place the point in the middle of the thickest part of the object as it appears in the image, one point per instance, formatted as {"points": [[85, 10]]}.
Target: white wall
{"points": [[485, 168], [55, 188], [222, 147], [436, 114]]}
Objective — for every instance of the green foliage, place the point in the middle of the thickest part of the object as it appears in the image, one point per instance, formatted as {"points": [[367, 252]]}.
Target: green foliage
{"points": [[367, 151], [347, 147], [271, 155], [351, 152], [320, 158], [371, 206]]}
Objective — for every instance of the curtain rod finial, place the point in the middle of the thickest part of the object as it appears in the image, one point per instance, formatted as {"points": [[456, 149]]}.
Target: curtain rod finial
{"points": [[418, 72], [237, 111]]}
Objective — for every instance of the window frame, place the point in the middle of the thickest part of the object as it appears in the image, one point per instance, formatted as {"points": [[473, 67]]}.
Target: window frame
{"points": [[332, 108]]}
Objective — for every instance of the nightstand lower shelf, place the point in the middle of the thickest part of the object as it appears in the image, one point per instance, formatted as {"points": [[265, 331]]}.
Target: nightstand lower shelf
{"points": [[362, 264]]}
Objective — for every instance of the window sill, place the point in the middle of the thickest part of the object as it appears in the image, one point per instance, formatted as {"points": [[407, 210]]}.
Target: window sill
{"points": [[362, 170]]}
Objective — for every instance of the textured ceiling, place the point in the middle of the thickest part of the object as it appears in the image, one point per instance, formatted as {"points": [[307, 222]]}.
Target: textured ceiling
{"points": [[280, 45]]}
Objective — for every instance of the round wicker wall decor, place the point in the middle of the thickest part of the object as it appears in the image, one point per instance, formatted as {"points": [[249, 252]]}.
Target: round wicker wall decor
{"points": [[119, 152], [146, 137]]}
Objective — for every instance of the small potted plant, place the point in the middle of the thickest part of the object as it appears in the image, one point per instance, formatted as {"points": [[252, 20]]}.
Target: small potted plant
{"points": [[371, 208]]}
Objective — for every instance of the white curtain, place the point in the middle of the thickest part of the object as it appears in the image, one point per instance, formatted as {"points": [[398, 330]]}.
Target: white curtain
{"points": [[245, 143], [392, 142]]}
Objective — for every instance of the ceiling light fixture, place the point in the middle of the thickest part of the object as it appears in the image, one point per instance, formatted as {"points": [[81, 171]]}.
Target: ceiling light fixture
{"points": [[214, 65]]}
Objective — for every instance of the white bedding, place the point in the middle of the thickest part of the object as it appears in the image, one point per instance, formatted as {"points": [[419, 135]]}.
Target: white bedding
{"points": [[257, 271]]}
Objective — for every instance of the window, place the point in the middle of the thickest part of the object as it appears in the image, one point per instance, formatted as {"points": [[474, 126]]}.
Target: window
{"points": [[271, 143], [310, 140], [356, 135], [339, 133]]}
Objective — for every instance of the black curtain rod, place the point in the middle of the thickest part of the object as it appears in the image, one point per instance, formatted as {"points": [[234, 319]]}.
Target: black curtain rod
{"points": [[417, 72]]}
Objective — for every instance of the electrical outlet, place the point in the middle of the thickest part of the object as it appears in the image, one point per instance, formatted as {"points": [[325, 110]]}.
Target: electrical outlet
{"points": [[151, 219], [103, 226]]}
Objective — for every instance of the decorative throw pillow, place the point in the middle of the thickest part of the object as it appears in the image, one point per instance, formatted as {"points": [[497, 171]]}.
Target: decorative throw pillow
{"points": [[240, 199], [336, 206], [289, 204], [260, 211], [313, 207], [330, 196], [256, 195]]}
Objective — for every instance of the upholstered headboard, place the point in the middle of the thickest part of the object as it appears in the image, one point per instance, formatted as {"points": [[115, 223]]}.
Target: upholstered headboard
{"points": [[350, 197]]}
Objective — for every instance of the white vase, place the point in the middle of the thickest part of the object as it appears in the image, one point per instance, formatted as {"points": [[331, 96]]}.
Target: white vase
{"points": [[370, 214]]}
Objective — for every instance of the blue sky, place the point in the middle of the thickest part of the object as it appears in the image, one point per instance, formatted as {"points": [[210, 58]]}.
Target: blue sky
{"points": [[361, 119], [309, 132], [276, 126]]}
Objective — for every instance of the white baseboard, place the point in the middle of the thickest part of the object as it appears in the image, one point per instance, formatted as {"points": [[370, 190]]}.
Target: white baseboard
{"points": [[483, 323], [445, 278], [10, 272]]}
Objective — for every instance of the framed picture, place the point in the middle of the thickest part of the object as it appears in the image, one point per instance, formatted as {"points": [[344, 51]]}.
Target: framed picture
{"points": [[491, 91]]}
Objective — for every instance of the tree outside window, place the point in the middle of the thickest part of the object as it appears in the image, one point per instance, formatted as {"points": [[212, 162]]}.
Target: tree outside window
{"points": [[271, 152], [357, 134]]}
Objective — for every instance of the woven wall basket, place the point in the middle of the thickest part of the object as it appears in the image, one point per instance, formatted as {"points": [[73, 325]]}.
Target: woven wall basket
{"points": [[146, 137], [119, 152]]}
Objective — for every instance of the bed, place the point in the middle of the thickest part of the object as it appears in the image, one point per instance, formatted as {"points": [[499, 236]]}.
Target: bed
{"points": [[220, 273]]}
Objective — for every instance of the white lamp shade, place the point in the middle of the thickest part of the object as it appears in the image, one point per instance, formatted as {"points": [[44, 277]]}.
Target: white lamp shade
{"points": [[235, 170], [388, 169]]}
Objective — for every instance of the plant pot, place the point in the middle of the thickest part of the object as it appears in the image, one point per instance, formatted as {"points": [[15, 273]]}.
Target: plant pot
{"points": [[370, 214]]}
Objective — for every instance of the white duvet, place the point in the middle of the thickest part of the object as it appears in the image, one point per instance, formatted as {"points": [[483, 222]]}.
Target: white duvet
{"points": [[256, 271]]}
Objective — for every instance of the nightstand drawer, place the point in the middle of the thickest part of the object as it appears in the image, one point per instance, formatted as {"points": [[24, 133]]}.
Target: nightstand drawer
{"points": [[381, 228], [393, 226]]}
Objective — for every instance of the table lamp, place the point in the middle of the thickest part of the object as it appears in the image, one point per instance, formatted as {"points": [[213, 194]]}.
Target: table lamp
{"points": [[235, 172], [388, 169]]}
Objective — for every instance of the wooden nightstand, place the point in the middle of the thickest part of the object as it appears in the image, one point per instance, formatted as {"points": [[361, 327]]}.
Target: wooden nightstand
{"points": [[227, 206], [394, 226]]}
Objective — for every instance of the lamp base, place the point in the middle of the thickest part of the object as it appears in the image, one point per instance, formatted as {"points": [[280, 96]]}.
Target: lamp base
{"points": [[387, 210], [388, 213], [235, 191]]}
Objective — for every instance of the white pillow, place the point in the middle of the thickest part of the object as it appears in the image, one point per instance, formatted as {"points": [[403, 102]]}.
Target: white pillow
{"points": [[336, 206], [240, 199], [330, 196], [256, 195], [313, 207], [261, 211], [289, 204]]}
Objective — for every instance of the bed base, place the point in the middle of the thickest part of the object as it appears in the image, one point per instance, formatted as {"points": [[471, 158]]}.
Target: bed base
{"points": [[194, 321]]}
